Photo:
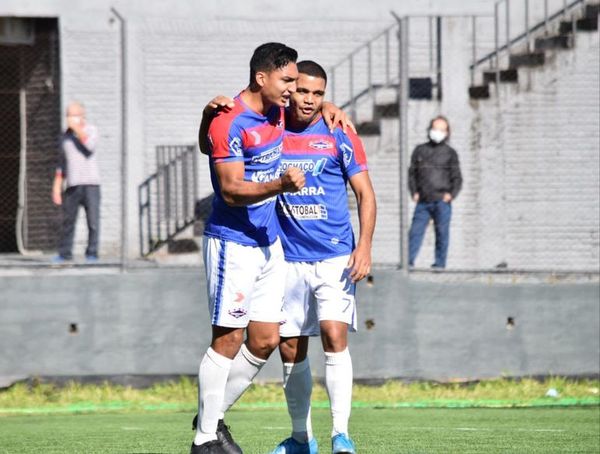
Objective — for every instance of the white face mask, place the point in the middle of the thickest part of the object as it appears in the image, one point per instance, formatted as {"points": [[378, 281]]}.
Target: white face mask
{"points": [[437, 136]]}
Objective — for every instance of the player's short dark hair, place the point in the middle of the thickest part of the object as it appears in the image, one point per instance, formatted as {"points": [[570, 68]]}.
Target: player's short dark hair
{"points": [[310, 68], [270, 57]]}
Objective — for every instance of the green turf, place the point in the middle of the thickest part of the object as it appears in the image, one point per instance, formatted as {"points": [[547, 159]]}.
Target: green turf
{"points": [[394, 431]]}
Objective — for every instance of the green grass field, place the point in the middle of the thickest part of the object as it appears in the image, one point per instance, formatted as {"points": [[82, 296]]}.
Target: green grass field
{"points": [[385, 430], [495, 416]]}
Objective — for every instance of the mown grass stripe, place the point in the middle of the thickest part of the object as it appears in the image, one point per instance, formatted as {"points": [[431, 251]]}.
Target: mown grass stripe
{"points": [[440, 403]]}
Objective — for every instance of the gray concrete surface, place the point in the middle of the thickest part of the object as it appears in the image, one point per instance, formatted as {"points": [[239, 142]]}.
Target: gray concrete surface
{"points": [[153, 321]]}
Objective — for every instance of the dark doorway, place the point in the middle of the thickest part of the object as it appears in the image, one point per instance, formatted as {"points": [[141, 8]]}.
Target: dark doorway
{"points": [[30, 122]]}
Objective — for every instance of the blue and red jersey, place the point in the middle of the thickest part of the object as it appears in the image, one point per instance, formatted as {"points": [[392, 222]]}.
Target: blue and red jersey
{"points": [[315, 221], [244, 135]]}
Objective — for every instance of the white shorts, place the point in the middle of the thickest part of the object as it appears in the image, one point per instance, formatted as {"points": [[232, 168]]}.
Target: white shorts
{"points": [[317, 291], [244, 283]]}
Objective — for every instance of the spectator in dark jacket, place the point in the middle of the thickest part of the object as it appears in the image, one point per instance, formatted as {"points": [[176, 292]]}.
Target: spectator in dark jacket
{"points": [[434, 181]]}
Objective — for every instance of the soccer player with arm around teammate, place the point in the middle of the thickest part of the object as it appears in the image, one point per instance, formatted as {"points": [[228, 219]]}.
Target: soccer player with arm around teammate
{"points": [[324, 263], [243, 256], [246, 364]]}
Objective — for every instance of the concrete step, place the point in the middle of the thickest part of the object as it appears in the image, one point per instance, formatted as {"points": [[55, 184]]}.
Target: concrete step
{"points": [[506, 75], [368, 128], [479, 92], [586, 24], [385, 111], [554, 42], [527, 59], [592, 11]]}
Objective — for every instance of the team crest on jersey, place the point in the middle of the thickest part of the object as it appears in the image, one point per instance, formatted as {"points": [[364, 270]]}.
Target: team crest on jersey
{"points": [[347, 152], [279, 124], [236, 146], [320, 144]]}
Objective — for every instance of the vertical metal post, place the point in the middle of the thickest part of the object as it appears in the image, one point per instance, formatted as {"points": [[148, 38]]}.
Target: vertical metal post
{"points": [[438, 57], [564, 8], [545, 17], [370, 75], [387, 57], [507, 22], [403, 94], [124, 157], [352, 100], [527, 25], [430, 20], [497, 48], [473, 48]]}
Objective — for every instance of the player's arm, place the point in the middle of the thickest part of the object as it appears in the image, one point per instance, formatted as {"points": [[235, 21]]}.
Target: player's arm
{"points": [[360, 259], [334, 116], [238, 192], [214, 105]]}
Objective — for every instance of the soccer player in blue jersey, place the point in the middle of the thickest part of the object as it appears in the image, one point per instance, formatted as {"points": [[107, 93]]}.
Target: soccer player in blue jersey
{"points": [[244, 261], [324, 263], [242, 253]]}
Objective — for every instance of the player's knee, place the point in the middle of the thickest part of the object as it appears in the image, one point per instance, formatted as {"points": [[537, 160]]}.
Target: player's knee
{"points": [[264, 345]]}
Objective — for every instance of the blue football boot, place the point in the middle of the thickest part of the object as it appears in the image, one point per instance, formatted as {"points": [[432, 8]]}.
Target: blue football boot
{"points": [[342, 443], [291, 446]]}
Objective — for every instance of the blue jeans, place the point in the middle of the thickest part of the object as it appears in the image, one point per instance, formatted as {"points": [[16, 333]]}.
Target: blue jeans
{"points": [[441, 212], [87, 196]]}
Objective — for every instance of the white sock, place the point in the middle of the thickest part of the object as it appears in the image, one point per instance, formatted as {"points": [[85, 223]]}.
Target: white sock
{"points": [[244, 368], [338, 381], [297, 385], [214, 369]]}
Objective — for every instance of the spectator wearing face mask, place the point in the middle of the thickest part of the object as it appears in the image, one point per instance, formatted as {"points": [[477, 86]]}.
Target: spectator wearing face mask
{"points": [[434, 180]]}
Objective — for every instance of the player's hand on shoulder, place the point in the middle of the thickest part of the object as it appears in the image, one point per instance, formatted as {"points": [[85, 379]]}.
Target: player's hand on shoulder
{"points": [[293, 179], [334, 117], [218, 103]]}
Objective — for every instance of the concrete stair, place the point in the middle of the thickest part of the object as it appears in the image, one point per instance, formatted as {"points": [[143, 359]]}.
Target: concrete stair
{"points": [[564, 39]]}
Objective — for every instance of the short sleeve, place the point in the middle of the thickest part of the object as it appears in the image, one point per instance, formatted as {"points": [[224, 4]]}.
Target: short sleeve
{"points": [[225, 138], [351, 153]]}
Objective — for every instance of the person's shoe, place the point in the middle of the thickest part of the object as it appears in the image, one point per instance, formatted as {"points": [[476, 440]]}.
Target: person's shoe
{"points": [[59, 259], [91, 258], [342, 443], [223, 435], [210, 447], [291, 446]]}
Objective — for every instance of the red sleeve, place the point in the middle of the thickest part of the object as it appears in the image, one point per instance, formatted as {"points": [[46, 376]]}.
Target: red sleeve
{"points": [[359, 150], [225, 138]]}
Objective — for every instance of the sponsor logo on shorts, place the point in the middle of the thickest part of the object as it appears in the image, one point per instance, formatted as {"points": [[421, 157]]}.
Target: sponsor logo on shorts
{"points": [[335, 240], [235, 146], [347, 152], [311, 211], [306, 165], [237, 313], [270, 155], [321, 144]]}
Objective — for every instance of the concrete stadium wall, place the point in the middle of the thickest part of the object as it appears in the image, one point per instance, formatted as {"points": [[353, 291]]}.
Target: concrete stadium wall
{"points": [[438, 327]]}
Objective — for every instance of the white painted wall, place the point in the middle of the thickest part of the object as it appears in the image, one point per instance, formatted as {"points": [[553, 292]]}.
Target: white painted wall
{"points": [[182, 53]]}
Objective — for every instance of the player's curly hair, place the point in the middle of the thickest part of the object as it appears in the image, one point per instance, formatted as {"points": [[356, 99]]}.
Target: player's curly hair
{"points": [[269, 57]]}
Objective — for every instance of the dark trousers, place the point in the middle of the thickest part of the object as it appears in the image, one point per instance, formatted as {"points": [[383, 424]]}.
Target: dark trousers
{"points": [[441, 212], [87, 196]]}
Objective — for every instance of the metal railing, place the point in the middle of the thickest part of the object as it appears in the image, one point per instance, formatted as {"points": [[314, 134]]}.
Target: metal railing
{"points": [[523, 37], [167, 197], [372, 65]]}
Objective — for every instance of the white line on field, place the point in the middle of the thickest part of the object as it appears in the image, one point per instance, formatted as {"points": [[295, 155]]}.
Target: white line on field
{"points": [[275, 427], [132, 428], [485, 429]]}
